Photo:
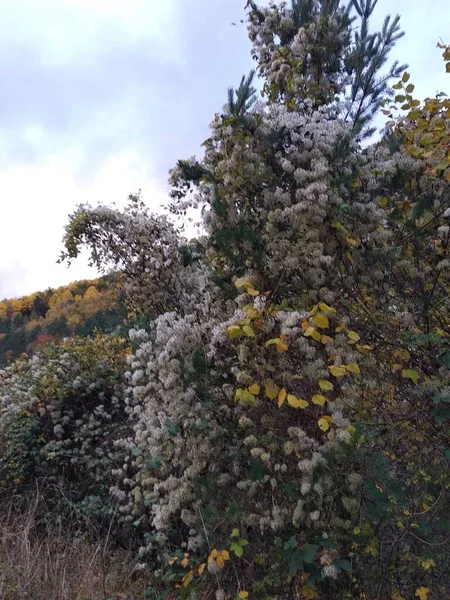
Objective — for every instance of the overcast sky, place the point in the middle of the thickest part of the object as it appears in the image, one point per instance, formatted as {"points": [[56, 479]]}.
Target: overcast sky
{"points": [[101, 97]]}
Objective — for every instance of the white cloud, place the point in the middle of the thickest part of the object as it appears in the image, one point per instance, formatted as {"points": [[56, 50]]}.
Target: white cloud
{"points": [[63, 29], [101, 97]]}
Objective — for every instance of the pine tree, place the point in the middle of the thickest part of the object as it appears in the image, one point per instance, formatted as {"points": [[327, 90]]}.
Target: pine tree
{"points": [[321, 51]]}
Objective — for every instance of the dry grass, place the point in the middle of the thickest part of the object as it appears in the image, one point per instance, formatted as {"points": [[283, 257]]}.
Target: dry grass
{"points": [[49, 565]]}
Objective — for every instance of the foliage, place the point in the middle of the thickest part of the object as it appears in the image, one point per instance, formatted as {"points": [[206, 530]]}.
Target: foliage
{"points": [[424, 128], [61, 414], [80, 308], [287, 398]]}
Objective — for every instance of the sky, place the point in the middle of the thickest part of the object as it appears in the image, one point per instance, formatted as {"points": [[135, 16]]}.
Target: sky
{"points": [[100, 98]]}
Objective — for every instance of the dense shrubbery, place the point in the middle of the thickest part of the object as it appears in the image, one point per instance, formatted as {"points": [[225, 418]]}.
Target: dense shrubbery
{"points": [[286, 432], [62, 413]]}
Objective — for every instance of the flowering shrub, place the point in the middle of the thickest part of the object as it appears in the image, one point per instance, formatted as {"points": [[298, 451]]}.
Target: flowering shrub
{"points": [[61, 412], [286, 406]]}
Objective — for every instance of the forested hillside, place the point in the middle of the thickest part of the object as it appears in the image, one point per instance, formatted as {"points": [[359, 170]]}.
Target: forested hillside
{"points": [[277, 425], [79, 308]]}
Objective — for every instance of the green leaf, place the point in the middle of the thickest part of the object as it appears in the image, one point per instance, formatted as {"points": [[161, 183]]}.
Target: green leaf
{"points": [[172, 428], [291, 544], [445, 357], [346, 565], [441, 414], [154, 462], [309, 553], [237, 549], [405, 77], [248, 331], [438, 398], [256, 470]]}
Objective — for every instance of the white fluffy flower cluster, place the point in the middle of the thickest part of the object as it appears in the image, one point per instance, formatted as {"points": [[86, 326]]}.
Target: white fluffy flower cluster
{"points": [[60, 412], [174, 431], [286, 51]]}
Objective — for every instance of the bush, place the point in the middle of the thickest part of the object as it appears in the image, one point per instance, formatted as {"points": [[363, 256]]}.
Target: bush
{"points": [[61, 413]]}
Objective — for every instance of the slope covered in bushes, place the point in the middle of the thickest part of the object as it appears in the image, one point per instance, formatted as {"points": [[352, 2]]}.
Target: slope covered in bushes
{"points": [[28, 322], [279, 430]]}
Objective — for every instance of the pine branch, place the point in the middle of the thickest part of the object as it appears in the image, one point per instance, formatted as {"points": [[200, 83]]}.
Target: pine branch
{"points": [[245, 97]]}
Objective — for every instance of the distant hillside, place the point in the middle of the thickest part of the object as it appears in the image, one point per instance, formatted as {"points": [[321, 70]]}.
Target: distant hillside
{"points": [[76, 309]]}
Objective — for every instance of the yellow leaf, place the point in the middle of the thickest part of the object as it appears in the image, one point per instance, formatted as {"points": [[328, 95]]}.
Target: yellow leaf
{"points": [[326, 339], [353, 368], [337, 371], [314, 310], [397, 596], [309, 592], [311, 332], [234, 331], [282, 346], [353, 336], [220, 562], [428, 564], [254, 389], [369, 549], [322, 321], [185, 562], [242, 283], [242, 595], [213, 555], [323, 424], [225, 555], [252, 291], [244, 395], [292, 401], [281, 397], [364, 347], [188, 578], [296, 402], [403, 355], [340, 328], [411, 374], [326, 309], [319, 399], [271, 390], [279, 343], [326, 385], [201, 568], [422, 593], [173, 560], [248, 331]]}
